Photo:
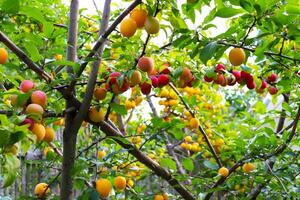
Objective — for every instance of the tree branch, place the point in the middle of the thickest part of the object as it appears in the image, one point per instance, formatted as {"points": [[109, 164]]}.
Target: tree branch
{"points": [[22, 56], [267, 53], [212, 150], [155, 167]]}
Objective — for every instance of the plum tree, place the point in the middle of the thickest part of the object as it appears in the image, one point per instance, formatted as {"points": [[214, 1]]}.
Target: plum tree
{"points": [[151, 93]]}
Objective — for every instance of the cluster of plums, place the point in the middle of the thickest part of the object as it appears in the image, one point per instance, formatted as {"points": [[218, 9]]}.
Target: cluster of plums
{"points": [[223, 77], [139, 18], [34, 109]]}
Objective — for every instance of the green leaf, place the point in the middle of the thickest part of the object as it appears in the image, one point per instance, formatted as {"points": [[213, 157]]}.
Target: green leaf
{"points": [[34, 13], [228, 12], [208, 52], [9, 178], [169, 163], [10, 6], [188, 164], [246, 5], [33, 51], [210, 165], [120, 109]]}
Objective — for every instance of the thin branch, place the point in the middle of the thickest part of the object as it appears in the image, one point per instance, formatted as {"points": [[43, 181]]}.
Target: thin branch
{"points": [[279, 180], [154, 166], [22, 56], [212, 150], [267, 53], [249, 30]]}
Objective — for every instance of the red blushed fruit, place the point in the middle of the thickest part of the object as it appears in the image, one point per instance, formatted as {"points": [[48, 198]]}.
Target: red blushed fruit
{"points": [[26, 85], [28, 121], [208, 79], [264, 84], [236, 74], [39, 97], [251, 85], [272, 78], [190, 84], [113, 77], [166, 70], [220, 79], [145, 64], [298, 73], [272, 90], [107, 86], [154, 81], [220, 68], [118, 90], [163, 80], [145, 88]]}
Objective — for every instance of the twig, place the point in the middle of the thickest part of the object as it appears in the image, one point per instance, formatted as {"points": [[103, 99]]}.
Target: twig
{"points": [[212, 150], [249, 30], [271, 171], [22, 56]]}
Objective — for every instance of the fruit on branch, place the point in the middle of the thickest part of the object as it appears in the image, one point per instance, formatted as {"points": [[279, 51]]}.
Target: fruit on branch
{"points": [[139, 16], [120, 89], [236, 74], [208, 79], [231, 80], [28, 121], [166, 70], [49, 134], [154, 81], [136, 78], [47, 150], [194, 123], [39, 97], [145, 64], [41, 190], [130, 183], [96, 115], [158, 197], [3, 56], [188, 138], [120, 183], [58, 57], [248, 167], [101, 154], [220, 79], [128, 27], [166, 196], [129, 104], [145, 88], [272, 78], [223, 171], [103, 187], [39, 131], [186, 75], [34, 109], [163, 80], [26, 85], [272, 90], [152, 25], [237, 56], [264, 84], [113, 77], [251, 85], [220, 68], [100, 93]]}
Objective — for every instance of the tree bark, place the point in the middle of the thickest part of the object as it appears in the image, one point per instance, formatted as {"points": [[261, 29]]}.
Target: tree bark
{"points": [[69, 136]]}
